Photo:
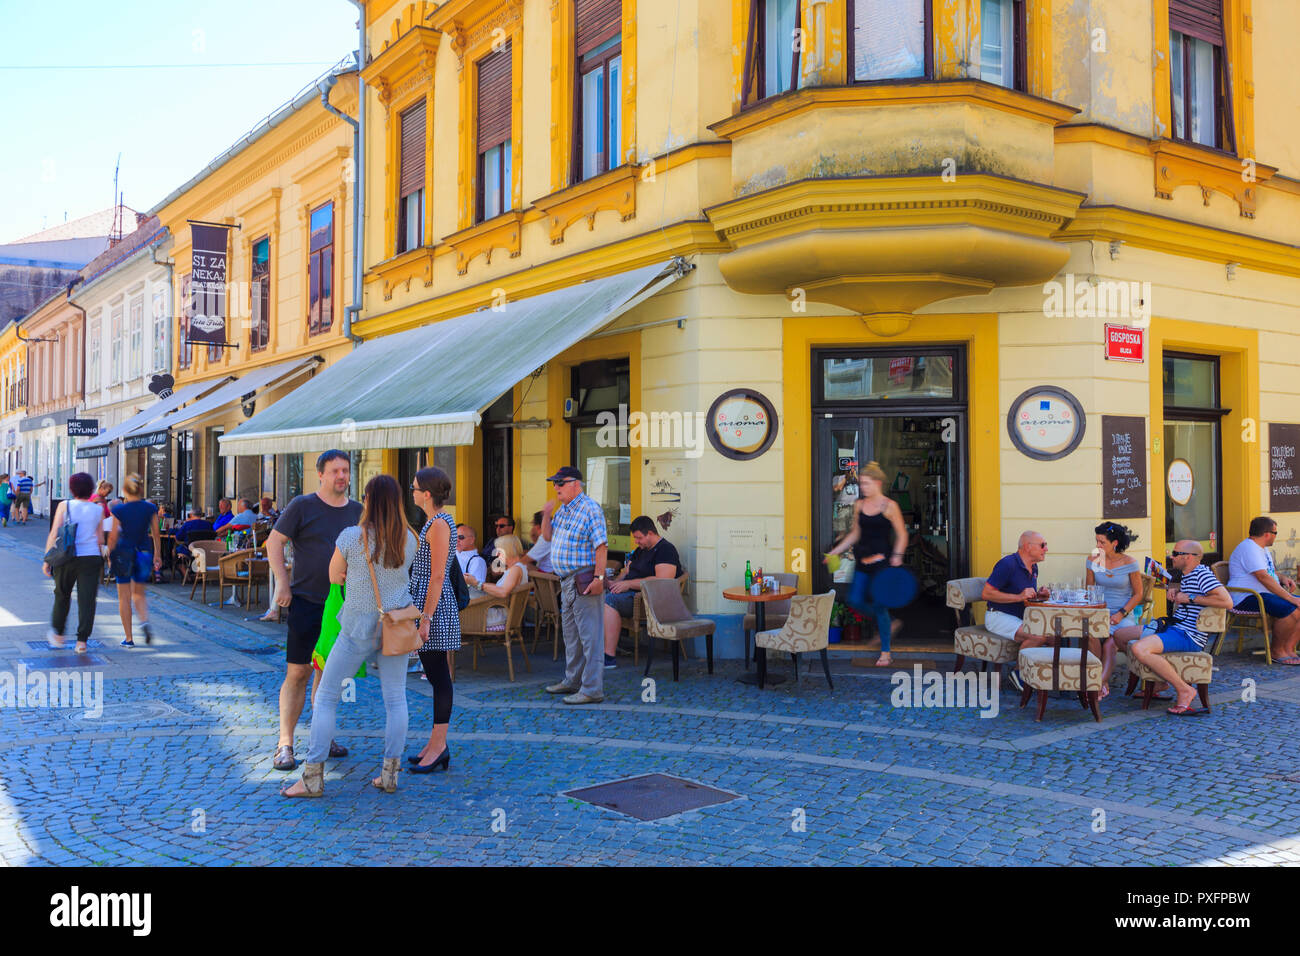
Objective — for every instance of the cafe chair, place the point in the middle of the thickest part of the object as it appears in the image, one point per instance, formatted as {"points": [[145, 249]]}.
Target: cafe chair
{"points": [[1075, 670], [777, 611], [970, 639], [232, 571], [1243, 621], [546, 602], [668, 619], [473, 624], [1193, 667], [203, 565], [807, 628], [636, 624]]}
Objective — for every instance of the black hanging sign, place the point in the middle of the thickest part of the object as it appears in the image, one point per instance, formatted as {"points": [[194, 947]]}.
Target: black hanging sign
{"points": [[208, 283]]}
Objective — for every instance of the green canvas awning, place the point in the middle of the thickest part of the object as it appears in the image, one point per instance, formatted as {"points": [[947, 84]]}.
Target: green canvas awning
{"points": [[427, 386]]}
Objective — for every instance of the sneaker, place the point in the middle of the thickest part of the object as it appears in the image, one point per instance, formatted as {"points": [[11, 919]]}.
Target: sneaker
{"points": [[581, 698], [611, 662], [148, 632], [127, 644], [1013, 678], [561, 688]]}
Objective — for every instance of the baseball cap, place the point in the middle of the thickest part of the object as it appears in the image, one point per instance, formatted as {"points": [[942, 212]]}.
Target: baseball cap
{"points": [[568, 471]]}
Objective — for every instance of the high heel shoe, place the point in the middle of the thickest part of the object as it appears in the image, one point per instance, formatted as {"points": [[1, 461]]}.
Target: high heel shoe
{"points": [[442, 763]]}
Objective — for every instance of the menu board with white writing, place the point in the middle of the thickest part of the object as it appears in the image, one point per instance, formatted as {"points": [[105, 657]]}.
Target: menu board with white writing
{"points": [[1123, 466], [1283, 467]]}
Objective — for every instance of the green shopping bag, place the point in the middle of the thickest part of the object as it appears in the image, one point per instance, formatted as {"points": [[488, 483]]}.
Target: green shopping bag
{"points": [[329, 630]]}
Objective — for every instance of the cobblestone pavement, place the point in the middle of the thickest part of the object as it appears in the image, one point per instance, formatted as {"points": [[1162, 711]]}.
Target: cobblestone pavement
{"points": [[176, 768]]}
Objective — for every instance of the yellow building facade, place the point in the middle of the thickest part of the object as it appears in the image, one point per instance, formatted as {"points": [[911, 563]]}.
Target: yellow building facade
{"points": [[909, 231], [13, 396]]}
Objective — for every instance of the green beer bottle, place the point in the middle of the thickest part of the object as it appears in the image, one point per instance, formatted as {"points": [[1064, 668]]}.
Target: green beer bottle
{"points": [[749, 576]]}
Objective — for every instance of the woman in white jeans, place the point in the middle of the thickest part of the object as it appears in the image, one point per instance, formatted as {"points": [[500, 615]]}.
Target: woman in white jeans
{"points": [[391, 544]]}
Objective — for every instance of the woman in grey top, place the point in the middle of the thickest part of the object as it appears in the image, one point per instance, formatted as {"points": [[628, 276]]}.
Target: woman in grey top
{"points": [[392, 548], [1120, 579]]}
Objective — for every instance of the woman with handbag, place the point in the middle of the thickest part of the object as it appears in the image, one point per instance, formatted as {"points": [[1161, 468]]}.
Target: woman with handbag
{"points": [[432, 590], [134, 554], [76, 561], [377, 618]]}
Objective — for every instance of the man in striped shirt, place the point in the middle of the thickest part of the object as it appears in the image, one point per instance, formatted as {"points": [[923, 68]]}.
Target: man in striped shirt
{"points": [[22, 497], [576, 531], [1198, 588]]}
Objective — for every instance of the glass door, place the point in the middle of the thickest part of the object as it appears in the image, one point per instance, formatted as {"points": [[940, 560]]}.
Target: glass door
{"points": [[1192, 439]]}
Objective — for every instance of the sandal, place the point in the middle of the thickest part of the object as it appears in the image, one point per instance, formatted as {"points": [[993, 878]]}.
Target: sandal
{"points": [[1292, 661], [881, 662], [313, 781], [1185, 710], [337, 749], [284, 759]]}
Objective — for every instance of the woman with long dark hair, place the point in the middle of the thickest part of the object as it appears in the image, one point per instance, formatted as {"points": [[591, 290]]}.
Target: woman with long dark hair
{"points": [[440, 623], [384, 541], [1120, 578], [83, 571]]}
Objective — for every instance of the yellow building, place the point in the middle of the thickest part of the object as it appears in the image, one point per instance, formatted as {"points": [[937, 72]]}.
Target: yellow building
{"points": [[13, 396], [285, 193], [908, 228]]}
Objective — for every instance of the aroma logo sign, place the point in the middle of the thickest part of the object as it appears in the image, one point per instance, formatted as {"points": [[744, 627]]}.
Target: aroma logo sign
{"points": [[1101, 299]]}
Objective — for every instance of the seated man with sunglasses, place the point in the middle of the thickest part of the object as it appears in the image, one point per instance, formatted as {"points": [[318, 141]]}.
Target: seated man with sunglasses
{"points": [[1197, 588]]}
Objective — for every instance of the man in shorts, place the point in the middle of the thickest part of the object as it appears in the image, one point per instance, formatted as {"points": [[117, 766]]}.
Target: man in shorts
{"points": [[313, 523], [1251, 568], [22, 496], [1012, 582], [1198, 588]]}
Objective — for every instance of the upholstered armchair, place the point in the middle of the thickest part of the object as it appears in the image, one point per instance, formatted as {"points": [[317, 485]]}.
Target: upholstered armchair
{"points": [[668, 619], [970, 639], [776, 613], [806, 629], [1193, 667]]}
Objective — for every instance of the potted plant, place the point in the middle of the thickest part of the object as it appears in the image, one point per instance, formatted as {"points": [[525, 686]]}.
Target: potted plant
{"points": [[838, 614], [853, 621]]}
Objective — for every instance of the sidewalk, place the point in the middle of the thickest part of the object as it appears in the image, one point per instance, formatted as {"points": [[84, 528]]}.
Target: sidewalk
{"points": [[177, 766]]}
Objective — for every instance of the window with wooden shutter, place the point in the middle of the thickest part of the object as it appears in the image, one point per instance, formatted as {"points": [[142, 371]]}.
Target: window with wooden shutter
{"points": [[410, 194], [1200, 94], [494, 146], [598, 101]]}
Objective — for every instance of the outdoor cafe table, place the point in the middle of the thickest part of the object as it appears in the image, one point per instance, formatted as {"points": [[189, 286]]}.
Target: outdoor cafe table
{"points": [[760, 622]]}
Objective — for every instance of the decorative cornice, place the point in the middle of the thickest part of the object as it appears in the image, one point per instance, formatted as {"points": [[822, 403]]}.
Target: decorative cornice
{"points": [[408, 57], [1181, 164], [471, 23], [499, 232], [402, 270], [614, 190]]}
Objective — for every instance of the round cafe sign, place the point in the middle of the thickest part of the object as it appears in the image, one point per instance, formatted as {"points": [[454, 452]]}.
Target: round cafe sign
{"points": [[1046, 423], [741, 424], [1179, 480]]}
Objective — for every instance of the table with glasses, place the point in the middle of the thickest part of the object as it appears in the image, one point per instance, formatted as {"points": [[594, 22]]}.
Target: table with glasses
{"points": [[760, 602]]}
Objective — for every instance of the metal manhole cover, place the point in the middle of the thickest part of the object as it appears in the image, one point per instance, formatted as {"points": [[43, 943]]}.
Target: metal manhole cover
{"points": [[131, 712], [652, 796], [63, 660], [93, 644]]}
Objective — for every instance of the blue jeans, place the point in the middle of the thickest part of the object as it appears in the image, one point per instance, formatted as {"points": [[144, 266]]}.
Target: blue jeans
{"points": [[863, 574], [347, 655]]}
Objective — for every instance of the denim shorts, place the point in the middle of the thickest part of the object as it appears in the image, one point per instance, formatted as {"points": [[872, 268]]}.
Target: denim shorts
{"points": [[1274, 605], [621, 602], [1175, 639], [129, 567]]}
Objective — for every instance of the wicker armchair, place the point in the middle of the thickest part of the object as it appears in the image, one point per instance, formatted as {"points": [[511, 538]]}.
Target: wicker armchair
{"points": [[1243, 621], [807, 628], [232, 571], [668, 618], [204, 565], [546, 601], [473, 623]]}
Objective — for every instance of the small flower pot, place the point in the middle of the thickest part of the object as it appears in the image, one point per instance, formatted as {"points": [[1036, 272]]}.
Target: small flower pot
{"points": [[834, 637], [852, 633]]}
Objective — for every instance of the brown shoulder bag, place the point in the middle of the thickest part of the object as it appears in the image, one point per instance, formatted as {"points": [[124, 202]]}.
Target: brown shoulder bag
{"points": [[401, 635]]}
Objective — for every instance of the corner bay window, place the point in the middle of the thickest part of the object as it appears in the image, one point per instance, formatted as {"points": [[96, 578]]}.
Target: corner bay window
{"points": [[259, 329], [1002, 43], [889, 39], [410, 201], [599, 50], [771, 53], [494, 159], [1201, 100], [320, 270]]}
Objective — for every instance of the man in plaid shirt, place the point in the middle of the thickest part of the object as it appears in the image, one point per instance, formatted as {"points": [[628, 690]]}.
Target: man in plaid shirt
{"points": [[576, 531]]}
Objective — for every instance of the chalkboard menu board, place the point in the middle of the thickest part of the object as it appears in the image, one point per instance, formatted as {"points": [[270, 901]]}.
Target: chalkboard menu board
{"points": [[1123, 466], [1283, 467], [160, 473]]}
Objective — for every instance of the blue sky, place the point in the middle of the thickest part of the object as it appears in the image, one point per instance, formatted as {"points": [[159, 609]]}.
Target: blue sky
{"points": [[65, 118]]}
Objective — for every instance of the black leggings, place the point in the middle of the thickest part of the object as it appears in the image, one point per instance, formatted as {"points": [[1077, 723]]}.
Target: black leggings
{"points": [[435, 668], [83, 573]]}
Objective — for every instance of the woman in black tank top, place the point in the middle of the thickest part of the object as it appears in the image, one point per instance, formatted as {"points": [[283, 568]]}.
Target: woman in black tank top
{"points": [[878, 519]]}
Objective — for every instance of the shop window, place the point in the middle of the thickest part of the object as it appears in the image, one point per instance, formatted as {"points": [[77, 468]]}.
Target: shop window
{"points": [[597, 387], [771, 49], [410, 199], [320, 270], [1201, 99], [1002, 43], [599, 51], [914, 375], [890, 39], [494, 144], [1193, 465], [259, 326]]}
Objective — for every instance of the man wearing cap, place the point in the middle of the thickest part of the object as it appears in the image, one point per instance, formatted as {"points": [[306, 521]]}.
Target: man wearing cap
{"points": [[576, 531]]}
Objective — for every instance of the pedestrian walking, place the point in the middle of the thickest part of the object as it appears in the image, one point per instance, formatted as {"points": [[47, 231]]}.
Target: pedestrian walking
{"points": [[134, 554], [374, 558], [23, 499], [83, 571], [576, 530], [6, 499], [313, 523], [432, 591]]}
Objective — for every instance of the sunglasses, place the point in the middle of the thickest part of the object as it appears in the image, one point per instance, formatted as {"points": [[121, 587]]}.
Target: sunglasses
{"points": [[1183, 554], [461, 537], [563, 482]]}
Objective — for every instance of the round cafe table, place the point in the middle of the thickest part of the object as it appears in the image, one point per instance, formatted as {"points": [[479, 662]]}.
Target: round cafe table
{"points": [[760, 602]]}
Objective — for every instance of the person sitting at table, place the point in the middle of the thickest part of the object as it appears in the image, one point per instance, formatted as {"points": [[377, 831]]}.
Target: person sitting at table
{"points": [[1251, 566], [1013, 582], [266, 509], [1120, 579], [539, 555], [472, 566], [194, 524], [654, 557], [223, 514], [1196, 588], [511, 550], [245, 518]]}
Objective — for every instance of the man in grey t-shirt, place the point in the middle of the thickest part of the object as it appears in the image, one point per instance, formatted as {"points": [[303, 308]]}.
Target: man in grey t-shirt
{"points": [[313, 523]]}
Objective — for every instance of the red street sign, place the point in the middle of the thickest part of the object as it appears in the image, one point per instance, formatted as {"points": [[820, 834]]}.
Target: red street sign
{"points": [[1123, 344]]}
